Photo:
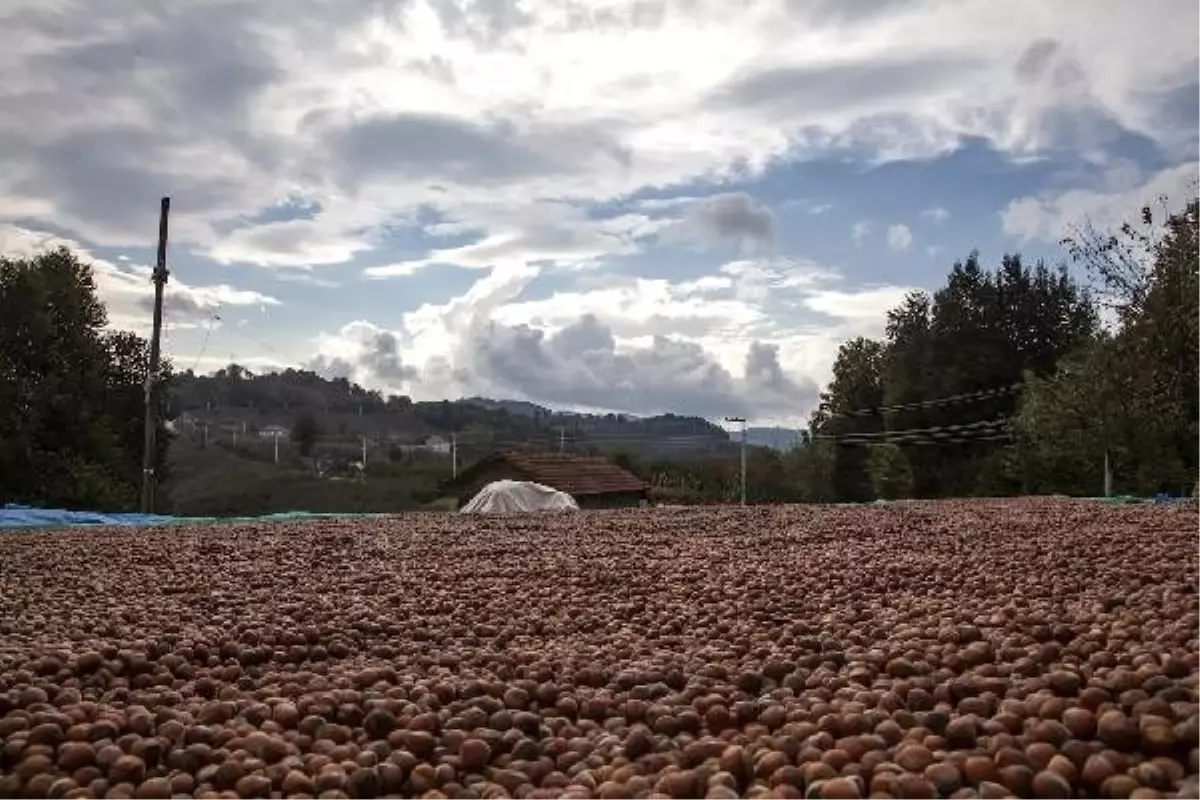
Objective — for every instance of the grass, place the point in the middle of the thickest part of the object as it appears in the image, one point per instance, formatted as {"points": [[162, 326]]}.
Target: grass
{"points": [[221, 481]]}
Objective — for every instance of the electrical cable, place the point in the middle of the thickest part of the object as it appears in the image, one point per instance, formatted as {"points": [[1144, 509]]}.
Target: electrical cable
{"points": [[968, 397], [922, 442], [965, 427], [208, 329]]}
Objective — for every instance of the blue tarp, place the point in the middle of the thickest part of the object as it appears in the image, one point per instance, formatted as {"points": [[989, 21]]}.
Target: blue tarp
{"points": [[18, 516]]}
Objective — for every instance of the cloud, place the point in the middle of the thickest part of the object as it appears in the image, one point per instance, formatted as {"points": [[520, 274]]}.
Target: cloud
{"points": [[583, 364], [841, 87], [556, 234], [861, 305], [564, 235], [288, 243], [376, 111], [363, 349], [755, 338], [1119, 197], [735, 217], [936, 215], [899, 237], [860, 232], [808, 205], [508, 139], [126, 289]]}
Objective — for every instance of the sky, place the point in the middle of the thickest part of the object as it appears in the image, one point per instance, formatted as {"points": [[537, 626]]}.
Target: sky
{"points": [[650, 206]]}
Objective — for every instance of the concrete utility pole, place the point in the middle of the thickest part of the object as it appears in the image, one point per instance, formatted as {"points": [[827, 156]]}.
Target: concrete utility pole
{"points": [[562, 439], [275, 441], [454, 455], [159, 277], [742, 420]]}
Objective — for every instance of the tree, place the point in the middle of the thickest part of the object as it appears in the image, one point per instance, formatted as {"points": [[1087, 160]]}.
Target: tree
{"points": [[305, 433], [71, 392], [627, 460], [850, 406], [891, 475], [975, 336], [1138, 384], [1118, 261], [814, 463]]}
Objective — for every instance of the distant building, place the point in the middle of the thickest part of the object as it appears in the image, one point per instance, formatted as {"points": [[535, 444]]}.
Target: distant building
{"points": [[594, 482], [437, 444], [271, 431]]}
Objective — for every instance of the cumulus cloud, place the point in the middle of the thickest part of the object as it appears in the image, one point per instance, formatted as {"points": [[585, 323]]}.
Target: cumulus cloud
{"points": [[754, 338], [363, 350], [937, 214], [583, 364], [899, 237]]}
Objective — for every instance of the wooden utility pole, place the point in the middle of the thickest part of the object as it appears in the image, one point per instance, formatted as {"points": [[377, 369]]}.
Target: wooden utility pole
{"points": [[159, 277]]}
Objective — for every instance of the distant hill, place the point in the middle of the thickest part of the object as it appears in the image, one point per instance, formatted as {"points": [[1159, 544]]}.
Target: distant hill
{"points": [[517, 407], [782, 439], [235, 402]]}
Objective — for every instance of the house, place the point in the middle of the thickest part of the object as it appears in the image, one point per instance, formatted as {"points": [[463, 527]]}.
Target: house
{"points": [[437, 444], [594, 481], [271, 431]]}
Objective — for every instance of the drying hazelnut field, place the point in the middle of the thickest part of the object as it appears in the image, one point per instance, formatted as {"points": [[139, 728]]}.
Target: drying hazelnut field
{"points": [[1015, 648]]}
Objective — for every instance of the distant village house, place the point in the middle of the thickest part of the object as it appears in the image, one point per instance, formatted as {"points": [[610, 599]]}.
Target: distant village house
{"points": [[594, 481], [271, 431]]}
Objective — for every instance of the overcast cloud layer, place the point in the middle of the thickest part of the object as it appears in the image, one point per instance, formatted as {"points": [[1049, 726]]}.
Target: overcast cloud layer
{"points": [[613, 205]]}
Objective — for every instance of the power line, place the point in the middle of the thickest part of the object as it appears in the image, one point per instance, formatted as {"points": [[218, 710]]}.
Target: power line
{"points": [[966, 427], [208, 329], [917, 442], [968, 397]]}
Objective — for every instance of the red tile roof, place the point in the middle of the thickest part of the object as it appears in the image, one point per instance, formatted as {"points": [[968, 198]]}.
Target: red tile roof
{"points": [[573, 474]]}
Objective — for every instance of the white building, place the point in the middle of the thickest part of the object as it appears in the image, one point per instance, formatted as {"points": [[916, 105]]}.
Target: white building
{"points": [[436, 444], [271, 431]]}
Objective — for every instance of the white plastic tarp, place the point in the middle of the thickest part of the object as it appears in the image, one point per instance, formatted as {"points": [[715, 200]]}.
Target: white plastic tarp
{"points": [[518, 496]]}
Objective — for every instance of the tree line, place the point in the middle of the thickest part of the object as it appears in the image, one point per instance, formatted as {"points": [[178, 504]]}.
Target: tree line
{"points": [[1022, 380]]}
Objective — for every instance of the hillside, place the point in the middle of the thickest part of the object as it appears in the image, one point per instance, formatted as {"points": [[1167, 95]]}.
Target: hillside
{"points": [[776, 438], [237, 399], [236, 445]]}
